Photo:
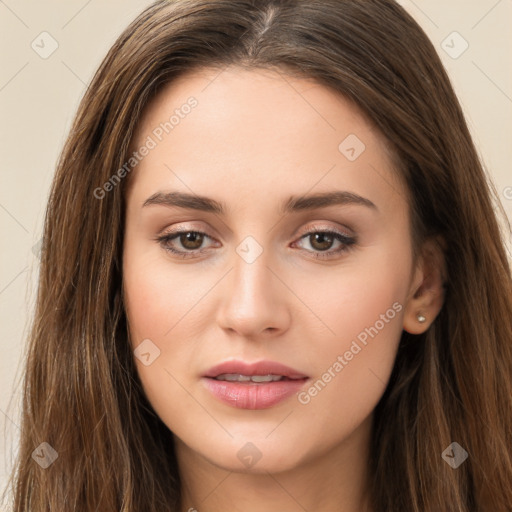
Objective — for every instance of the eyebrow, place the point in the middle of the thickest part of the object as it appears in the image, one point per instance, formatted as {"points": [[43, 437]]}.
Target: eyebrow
{"points": [[293, 204]]}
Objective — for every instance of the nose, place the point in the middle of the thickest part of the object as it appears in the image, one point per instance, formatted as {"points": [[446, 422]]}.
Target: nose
{"points": [[254, 300]]}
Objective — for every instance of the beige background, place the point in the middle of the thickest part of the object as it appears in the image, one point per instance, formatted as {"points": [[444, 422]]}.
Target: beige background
{"points": [[38, 98]]}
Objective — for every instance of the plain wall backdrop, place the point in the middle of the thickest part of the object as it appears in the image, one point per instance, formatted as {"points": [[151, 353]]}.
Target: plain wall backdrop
{"points": [[50, 51]]}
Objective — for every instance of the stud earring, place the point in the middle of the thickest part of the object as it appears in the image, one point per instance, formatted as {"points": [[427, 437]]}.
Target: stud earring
{"points": [[421, 318]]}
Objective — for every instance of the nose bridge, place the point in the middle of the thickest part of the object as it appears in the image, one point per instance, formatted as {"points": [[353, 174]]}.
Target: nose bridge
{"points": [[253, 300], [251, 274]]}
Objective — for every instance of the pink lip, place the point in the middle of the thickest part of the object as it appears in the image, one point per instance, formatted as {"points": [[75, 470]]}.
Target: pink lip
{"points": [[251, 395], [259, 368]]}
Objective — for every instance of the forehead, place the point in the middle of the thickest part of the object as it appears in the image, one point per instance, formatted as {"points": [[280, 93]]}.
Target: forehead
{"points": [[258, 129], [239, 97]]}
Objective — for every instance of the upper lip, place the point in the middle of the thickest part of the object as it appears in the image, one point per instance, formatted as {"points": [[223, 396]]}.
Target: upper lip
{"points": [[258, 368]]}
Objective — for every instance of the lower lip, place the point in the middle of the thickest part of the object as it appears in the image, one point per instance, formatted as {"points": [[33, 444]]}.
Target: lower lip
{"points": [[253, 395]]}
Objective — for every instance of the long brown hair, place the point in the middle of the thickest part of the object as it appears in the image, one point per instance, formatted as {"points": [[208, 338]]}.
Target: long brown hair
{"points": [[82, 395]]}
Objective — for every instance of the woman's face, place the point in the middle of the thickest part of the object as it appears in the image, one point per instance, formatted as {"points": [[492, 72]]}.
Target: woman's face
{"points": [[249, 159]]}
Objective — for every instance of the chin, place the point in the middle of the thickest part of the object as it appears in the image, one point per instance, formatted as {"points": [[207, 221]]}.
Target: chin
{"points": [[274, 463], [249, 453]]}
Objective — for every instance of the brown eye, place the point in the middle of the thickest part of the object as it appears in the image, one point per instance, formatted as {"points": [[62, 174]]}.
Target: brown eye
{"points": [[184, 243], [321, 241], [191, 240]]}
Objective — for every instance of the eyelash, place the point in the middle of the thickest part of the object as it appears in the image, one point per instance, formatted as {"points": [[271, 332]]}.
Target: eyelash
{"points": [[347, 241]]}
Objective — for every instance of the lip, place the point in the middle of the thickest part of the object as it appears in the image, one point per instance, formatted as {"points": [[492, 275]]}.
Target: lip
{"points": [[251, 395], [258, 368]]}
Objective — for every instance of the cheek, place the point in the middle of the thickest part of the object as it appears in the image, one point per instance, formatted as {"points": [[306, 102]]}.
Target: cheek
{"points": [[157, 301], [363, 308], [156, 298], [164, 304]]}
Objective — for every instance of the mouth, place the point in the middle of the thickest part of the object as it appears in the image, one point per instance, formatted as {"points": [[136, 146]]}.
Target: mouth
{"points": [[253, 386], [261, 371], [251, 379]]}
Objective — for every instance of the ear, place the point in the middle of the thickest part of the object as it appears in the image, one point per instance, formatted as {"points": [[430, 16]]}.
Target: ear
{"points": [[426, 294]]}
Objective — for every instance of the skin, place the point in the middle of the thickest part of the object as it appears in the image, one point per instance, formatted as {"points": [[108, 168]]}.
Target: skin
{"points": [[254, 139]]}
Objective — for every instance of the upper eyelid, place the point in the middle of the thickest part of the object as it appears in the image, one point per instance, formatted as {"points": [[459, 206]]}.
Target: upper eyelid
{"points": [[318, 226], [301, 234]]}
